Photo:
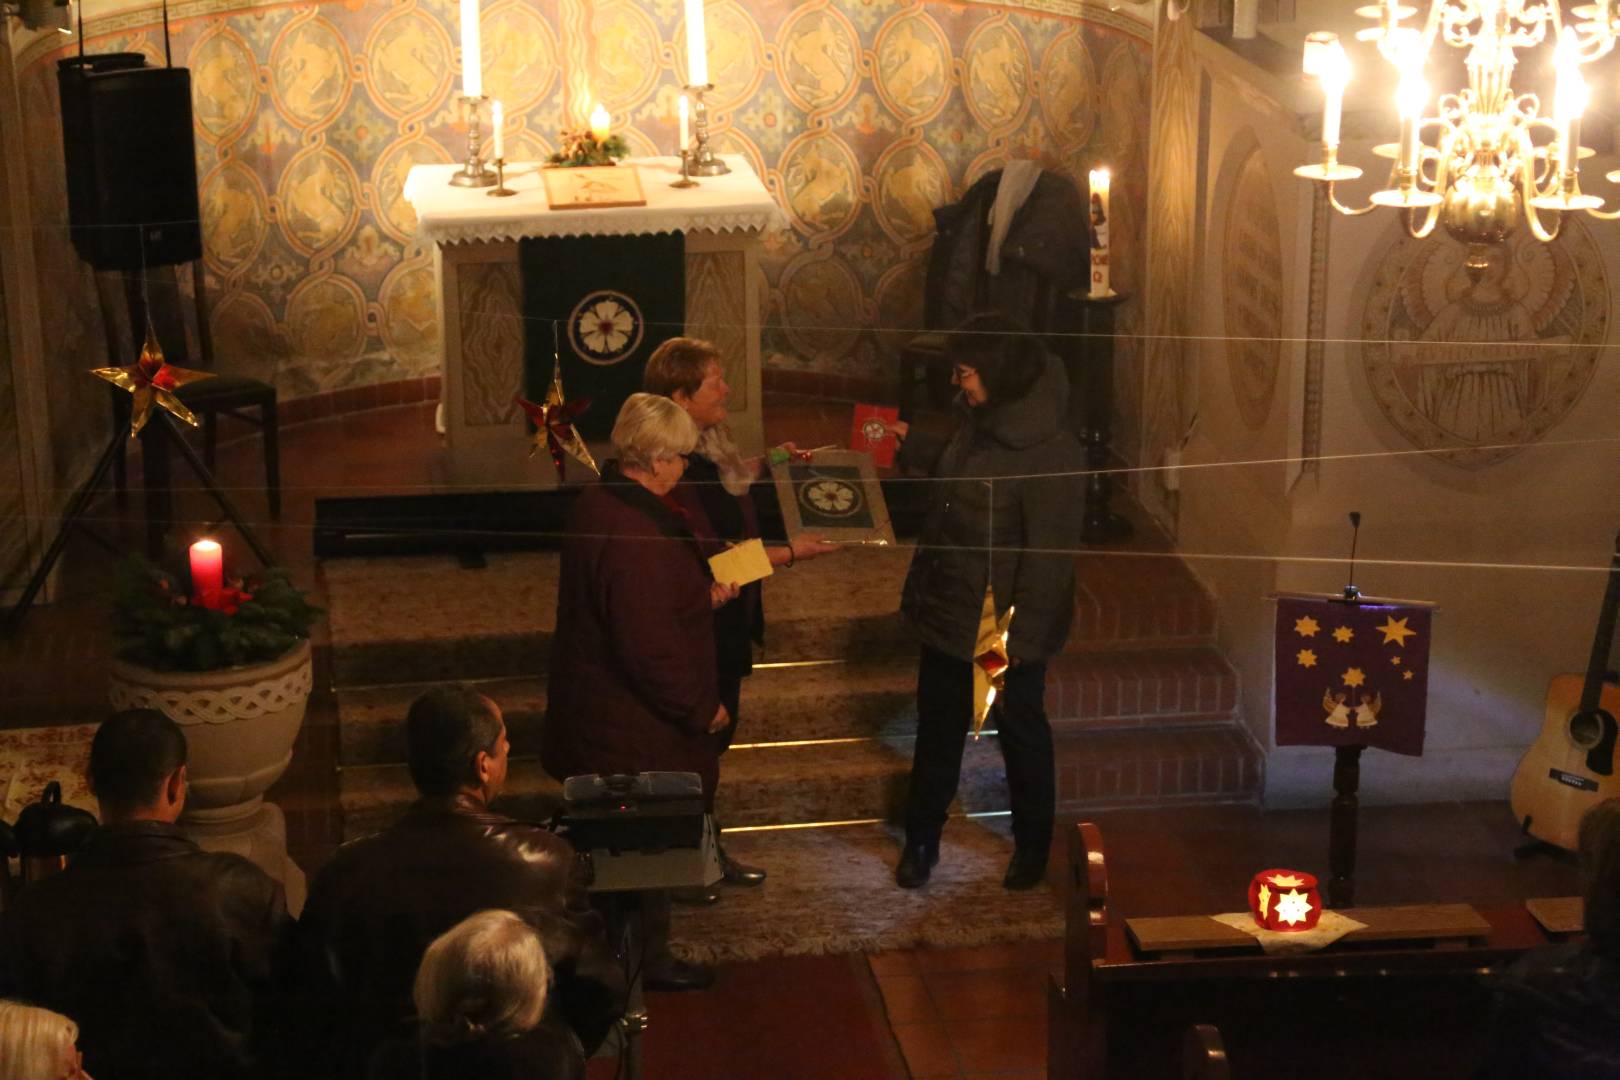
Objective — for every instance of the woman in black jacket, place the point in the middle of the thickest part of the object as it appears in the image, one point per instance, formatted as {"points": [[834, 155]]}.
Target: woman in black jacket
{"points": [[1004, 516]]}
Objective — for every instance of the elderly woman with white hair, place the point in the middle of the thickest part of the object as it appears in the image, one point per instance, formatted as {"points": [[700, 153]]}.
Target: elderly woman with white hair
{"points": [[38, 1044], [480, 996], [633, 684]]}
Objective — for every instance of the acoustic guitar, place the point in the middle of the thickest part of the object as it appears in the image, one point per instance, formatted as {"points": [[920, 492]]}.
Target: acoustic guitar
{"points": [[1571, 766]]}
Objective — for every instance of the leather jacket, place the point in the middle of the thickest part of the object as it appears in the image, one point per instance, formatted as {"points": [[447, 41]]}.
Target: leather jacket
{"points": [[162, 952], [379, 903]]}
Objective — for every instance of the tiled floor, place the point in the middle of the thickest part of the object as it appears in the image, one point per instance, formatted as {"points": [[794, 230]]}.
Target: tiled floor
{"points": [[975, 1012]]}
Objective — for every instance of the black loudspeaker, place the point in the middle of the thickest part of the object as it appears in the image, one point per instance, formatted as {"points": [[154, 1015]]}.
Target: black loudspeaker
{"points": [[131, 161]]}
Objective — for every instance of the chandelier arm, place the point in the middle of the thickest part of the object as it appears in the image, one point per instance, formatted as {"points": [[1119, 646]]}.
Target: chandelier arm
{"points": [[1347, 211], [1528, 191], [1605, 215]]}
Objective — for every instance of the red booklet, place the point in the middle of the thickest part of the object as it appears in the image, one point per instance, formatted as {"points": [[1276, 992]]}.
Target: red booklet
{"points": [[871, 434]]}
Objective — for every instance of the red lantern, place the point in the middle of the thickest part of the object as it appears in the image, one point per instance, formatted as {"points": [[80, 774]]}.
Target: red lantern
{"points": [[1285, 901]]}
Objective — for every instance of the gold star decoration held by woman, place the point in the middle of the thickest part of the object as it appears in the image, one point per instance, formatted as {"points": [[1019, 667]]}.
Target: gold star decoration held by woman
{"points": [[151, 379], [990, 661], [554, 424]]}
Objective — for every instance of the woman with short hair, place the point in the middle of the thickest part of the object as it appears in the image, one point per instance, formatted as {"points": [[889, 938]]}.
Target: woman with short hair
{"points": [[632, 682], [1002, 525], [38, 1044], [480, 995], [714, 492]]}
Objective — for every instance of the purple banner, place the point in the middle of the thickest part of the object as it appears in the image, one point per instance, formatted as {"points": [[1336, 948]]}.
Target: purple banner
{"points": [[1352, 674]]}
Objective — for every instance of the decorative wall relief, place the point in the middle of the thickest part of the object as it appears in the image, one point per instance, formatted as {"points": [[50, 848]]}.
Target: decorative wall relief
{"points": [[1251, 285], [861, 118], [1486, 363], [1172, 217]]}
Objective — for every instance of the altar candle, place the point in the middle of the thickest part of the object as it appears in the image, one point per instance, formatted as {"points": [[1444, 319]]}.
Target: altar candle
{"points": [[685, 111], [496, 118], [697, 45], [600, 123], [1100, 179], [207, 567], [472, 64]]}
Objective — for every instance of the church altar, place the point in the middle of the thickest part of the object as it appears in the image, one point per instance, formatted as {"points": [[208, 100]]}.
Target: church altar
{"points": [[480, 296]]}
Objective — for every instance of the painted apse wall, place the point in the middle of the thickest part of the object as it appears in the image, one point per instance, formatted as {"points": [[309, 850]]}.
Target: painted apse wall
{"points": [[860, 115], [1477, 454]]}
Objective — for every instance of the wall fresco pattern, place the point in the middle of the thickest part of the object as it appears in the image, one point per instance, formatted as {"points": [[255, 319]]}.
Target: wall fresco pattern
{"points": [[860, 115]]}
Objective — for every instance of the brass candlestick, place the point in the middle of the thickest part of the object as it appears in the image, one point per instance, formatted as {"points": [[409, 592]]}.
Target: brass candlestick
{"points": [[704, 162], [500, 188], [686, 180], [473, 173]]}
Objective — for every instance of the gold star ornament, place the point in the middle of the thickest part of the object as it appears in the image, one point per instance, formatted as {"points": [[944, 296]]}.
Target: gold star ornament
{"points": [[1395, 631], [152, 380], [990, 661]]}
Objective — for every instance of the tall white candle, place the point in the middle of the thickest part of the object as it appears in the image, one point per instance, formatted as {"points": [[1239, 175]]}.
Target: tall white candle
{"points": [[472, 61], [1100, 179], [685, 111], [497, 117], [697, 45], [1335, 76]]}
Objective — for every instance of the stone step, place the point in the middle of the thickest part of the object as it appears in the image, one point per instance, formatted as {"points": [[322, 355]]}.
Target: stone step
{"points": [[1182, 686], [426, 618], [777, 785]]}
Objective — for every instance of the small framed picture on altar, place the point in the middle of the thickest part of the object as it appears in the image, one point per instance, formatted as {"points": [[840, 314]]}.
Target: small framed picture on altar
{"points": [[593, 187], [836, 496]]}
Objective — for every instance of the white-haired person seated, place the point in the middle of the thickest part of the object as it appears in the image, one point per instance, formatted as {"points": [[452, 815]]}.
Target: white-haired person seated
{"points": [[634, 686], [480, 1001], [37, 1044]]}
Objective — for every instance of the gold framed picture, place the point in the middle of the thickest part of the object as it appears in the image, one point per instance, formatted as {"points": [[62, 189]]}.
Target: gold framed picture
{"points": [[836, 496], [593, 187]]}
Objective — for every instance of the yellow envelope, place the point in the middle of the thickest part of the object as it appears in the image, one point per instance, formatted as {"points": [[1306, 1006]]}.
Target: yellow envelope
{"points": [[741, 563]]}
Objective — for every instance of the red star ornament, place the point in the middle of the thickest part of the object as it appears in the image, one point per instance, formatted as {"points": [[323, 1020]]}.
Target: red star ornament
{"points": [[152, 380], [554, 426]]}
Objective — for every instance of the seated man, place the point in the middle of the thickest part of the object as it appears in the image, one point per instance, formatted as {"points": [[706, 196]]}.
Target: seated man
{"points": [[375, 908], [162, 952]]}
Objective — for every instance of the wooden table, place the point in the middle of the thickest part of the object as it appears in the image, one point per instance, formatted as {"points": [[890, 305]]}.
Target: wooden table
{"points": [[480, 296], [1403, 998]]}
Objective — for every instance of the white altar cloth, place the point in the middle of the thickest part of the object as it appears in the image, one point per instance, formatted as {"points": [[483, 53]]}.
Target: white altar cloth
{"points": [[736, 201]]}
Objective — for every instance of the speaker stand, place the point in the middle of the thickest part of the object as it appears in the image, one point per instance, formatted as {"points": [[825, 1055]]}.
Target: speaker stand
{"points": [[159, 433]]}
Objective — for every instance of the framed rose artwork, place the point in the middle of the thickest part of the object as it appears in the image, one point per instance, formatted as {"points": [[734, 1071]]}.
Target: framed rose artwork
{"points": [[835, 496]]}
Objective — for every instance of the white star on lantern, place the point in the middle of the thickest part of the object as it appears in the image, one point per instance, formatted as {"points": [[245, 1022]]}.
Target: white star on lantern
{"points": [[1293, 907]]}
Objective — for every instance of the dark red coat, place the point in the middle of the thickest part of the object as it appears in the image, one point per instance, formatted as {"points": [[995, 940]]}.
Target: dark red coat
{"points": [[632, 679]]}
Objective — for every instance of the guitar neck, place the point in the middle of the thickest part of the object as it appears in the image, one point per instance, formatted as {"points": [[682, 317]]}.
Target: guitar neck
{"points": [[1597, 666]]}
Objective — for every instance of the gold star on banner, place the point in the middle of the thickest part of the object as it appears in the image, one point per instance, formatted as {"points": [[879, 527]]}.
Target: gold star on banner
{"points": [[1306, 627], [1395, 631], [1395, 659], [1407, 674], [1306, 658], [152, 381], [1354, 677], [1343, 635]]}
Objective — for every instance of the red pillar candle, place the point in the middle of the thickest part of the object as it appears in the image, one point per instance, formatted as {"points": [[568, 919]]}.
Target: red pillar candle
{"points": [[1285, 901], [207, 567]]}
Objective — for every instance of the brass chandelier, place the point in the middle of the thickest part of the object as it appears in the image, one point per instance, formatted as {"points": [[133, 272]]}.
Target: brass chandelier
{"points": [[1488, 156]]}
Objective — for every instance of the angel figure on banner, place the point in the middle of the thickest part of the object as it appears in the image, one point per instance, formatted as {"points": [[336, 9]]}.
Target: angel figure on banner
{"points": [[1338, 712], [1367, 710]]}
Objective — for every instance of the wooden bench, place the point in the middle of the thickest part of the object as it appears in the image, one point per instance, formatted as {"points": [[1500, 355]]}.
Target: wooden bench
{"points": [[1404, 998]]}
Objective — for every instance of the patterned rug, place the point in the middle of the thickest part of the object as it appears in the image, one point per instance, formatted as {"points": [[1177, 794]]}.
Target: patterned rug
{"points": [[832, 890], [30, 758]]}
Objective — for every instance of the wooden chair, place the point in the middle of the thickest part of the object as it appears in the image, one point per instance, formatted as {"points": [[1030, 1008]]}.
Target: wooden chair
{"points": [[123, 314]]}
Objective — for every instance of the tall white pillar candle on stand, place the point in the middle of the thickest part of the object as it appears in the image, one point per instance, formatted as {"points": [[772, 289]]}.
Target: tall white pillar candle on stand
{"points": [[472, 63], [1099, 233], [497, 118], [697, 45], [685, 111]]}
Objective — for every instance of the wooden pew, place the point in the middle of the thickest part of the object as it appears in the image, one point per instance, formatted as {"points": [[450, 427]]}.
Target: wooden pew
{"points": [[1392, 1006]]}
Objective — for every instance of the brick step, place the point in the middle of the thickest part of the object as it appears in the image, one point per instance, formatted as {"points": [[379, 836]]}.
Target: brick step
{"points": [[422, 618], [841, 782], [836, 701]]}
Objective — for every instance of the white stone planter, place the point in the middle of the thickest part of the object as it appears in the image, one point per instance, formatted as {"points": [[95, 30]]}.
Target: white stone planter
{"points": [[240, 725]]}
